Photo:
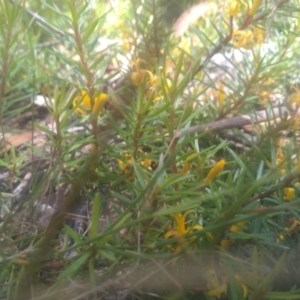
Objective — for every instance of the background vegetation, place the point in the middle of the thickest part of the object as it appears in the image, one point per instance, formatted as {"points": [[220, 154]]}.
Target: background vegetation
{"points": [[158, 149]]}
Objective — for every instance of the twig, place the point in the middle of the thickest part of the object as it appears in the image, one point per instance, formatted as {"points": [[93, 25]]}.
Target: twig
{"points": [[235, 122]]}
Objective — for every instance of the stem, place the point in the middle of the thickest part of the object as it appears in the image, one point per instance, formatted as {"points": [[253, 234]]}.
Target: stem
{"points": [[89, 83], [155, 36]]}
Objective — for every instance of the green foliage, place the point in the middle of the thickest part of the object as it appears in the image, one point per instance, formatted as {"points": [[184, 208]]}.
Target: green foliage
{"points": [[145, 143]]}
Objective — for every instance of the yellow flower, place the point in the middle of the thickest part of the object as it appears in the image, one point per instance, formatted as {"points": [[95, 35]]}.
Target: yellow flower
{"points": [[243, 39], [146, 163], [237, 227], [140, 75], [218, 291], [181, 231], [234, 8], [214, 172], [187, 163], [214, 287], [82, 103], [255, 6], [247, 39], [288, 193], [234, 228], [126, 165], [295, 225], [225, 243]]}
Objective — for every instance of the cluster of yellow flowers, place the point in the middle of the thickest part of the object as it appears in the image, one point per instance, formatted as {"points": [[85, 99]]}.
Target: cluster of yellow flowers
{"points": [[180, 219], [140, 75], [154, 87], [246, 38], [126, 165], [215, 289], [83, 105], [181, 230]]}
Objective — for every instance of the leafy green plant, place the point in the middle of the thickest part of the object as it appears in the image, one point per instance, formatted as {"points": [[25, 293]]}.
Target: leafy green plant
{"points": [[151, 187]]}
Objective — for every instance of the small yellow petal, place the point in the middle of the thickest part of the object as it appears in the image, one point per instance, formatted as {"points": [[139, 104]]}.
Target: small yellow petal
{"points": [[82, 103], [86, 101], [214, 172], [255, 6], [171, 233], [134, 76], [99, 101], [245, 290], [226, 243], [146, 163], [243, 39], [194, 227], [217, 292], [186, 213], [77, 109], [234, 8], [180, 220]]}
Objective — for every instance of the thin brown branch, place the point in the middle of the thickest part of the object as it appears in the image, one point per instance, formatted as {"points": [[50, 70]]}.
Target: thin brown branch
{"points": [[236, 122]]}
